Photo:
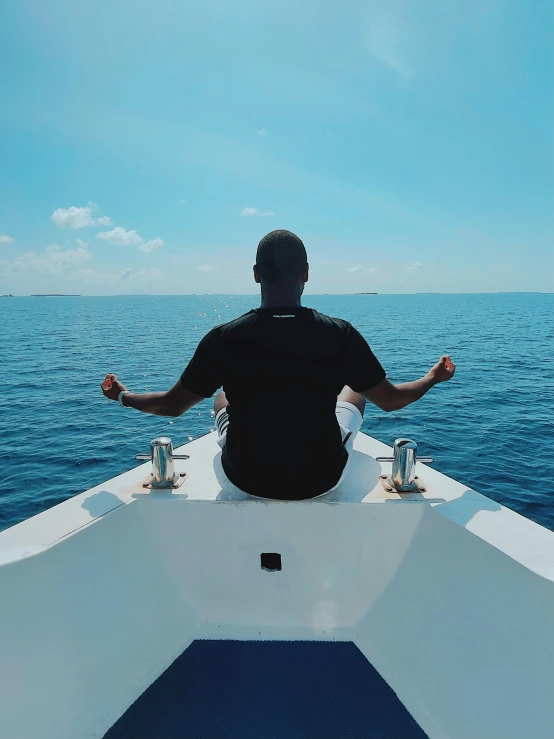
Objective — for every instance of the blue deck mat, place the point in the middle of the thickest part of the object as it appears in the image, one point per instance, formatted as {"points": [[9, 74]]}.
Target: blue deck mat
{"points": [[268, 690]]}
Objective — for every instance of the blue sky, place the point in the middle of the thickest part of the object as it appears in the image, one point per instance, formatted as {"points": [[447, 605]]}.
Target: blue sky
{"points": [[148, 146]]}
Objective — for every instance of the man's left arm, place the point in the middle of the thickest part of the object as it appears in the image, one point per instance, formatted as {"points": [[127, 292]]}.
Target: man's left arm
{"points": [[391, 397], [173, 402], [366, 376]]}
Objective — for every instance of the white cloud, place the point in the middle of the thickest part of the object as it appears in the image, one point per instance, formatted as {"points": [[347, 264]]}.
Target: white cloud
{"points": [[120, 237], [262, 132], [182, 201], [52, 260], [204, 268], [359, 268], [151, 245], [145, 273], [416, 265], [5, 239], [149, 273], [384, 43], [255, 212], [74, 217]]}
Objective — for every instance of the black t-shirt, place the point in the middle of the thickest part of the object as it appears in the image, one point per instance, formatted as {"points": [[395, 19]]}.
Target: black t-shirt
{"points": [[282, 371]]}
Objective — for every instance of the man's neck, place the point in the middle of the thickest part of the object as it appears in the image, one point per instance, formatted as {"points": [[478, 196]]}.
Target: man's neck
{"points": [[280, 299], [275, 303]]}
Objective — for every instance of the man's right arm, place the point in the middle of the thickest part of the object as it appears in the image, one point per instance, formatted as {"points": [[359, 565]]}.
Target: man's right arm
{"points": [[391, 397], [173, 402], [199, 380]]}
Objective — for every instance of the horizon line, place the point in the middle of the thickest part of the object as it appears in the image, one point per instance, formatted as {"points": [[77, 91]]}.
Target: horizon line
{"points": [[252, 295]]}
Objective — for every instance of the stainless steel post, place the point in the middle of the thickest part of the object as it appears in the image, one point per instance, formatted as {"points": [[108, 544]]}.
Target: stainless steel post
{"points": [[163, 468], [403, 465]]}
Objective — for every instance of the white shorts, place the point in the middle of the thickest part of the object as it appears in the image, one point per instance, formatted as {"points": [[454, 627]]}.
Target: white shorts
{"points": [[348, 416]]}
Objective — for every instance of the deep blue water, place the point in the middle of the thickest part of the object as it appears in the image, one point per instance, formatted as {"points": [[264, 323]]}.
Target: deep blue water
{"points": [[491, 427]]}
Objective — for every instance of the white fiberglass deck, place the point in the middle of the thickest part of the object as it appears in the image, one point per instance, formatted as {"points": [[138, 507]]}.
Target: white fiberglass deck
{"points": [[448, 595]]}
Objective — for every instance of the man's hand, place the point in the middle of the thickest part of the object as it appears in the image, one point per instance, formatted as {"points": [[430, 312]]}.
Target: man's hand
{"points": [[443, 370], [111, 387], [391, 397], [174, 402]]}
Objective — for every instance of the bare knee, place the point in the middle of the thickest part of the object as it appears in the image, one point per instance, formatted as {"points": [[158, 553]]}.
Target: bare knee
{"points": [[347, 395], [220, 402]]}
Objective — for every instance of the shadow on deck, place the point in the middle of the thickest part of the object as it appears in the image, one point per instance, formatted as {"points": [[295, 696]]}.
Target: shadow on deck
{"points": [[268, 690]]}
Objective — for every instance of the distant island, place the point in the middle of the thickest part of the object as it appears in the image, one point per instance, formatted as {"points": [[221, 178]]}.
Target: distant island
{"points": [[54, 295], [366, 293], [6, 296]]}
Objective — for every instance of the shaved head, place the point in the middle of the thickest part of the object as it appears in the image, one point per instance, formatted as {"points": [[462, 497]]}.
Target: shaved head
{"points": [[281, 258]]}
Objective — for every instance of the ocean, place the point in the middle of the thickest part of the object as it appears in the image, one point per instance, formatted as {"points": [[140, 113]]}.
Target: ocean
{"points": [[491, 427]]}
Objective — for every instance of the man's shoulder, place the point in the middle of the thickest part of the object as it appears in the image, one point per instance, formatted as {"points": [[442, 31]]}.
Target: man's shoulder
{"points": [[236, 324], [247, 321], [222, 331], [335, 324]]}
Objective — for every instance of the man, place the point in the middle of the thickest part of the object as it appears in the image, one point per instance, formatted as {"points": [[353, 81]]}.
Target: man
{"points": [[294, 381]]}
